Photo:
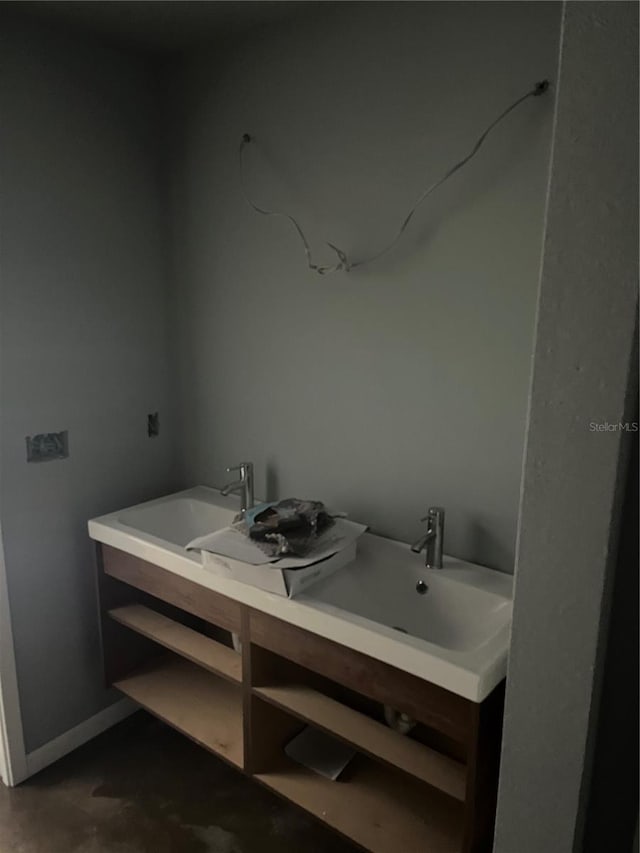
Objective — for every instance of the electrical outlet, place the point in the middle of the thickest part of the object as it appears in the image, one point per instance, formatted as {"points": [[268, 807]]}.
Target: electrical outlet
{"points": [[47, 446], [153, 424]]}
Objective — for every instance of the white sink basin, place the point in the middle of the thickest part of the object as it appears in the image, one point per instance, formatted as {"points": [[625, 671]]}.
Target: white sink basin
{"points": [[457, 634], [463, 608], [178, 520], [164, 526]]}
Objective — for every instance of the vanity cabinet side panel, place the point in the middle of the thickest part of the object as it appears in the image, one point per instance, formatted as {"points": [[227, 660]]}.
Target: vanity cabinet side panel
{"points": [[432, 705], [246, 691], [482, 773], [169, 587], [122, 650]]}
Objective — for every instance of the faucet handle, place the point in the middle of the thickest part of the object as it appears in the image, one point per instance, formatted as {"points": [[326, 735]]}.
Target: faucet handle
{"points": [[243, 467], [436, 512]]}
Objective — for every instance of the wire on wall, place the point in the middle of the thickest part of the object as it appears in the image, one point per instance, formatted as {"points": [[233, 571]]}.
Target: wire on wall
{"points": [[343, 263]]}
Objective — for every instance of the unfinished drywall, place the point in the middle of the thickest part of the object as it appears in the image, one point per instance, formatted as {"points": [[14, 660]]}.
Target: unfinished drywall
{"points": [[403, 384], [83, 334], [572, 482]]}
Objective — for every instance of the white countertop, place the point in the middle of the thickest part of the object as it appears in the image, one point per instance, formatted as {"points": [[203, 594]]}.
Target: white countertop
{"points": [[470, 673]]}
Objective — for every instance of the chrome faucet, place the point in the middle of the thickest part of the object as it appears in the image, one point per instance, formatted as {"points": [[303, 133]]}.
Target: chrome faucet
{"points": [[432, 541], [243, 485]]}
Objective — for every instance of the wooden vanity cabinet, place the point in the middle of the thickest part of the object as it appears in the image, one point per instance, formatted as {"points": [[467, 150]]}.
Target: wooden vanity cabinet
{"points": [[166, 645]]}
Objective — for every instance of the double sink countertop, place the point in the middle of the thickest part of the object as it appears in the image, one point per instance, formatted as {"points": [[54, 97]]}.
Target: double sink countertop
{"points": [[455, 636]]}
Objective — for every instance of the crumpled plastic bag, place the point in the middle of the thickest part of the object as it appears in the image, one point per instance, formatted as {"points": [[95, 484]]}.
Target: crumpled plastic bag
{"points": [[291, 526]]}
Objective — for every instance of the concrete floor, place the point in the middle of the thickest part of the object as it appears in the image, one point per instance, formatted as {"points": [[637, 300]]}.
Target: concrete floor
{"points": [[143, 788]]}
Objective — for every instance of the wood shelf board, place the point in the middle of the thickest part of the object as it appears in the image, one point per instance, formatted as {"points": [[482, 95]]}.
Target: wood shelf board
{"points": [[184, 641], [369, 736], [201, 706], [377, 808], [435, 707]]}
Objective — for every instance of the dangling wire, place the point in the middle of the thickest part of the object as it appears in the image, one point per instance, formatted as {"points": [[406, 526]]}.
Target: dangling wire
{"points": [[343, 261]]}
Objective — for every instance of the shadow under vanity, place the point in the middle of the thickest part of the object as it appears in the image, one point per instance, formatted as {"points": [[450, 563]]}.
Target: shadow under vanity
{"points": [[167, 645]]}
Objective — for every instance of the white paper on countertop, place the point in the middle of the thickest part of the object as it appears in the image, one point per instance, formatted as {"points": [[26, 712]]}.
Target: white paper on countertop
{"points": [[230, 542]]}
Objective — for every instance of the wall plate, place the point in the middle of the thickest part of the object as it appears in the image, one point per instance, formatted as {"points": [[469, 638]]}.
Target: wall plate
{"points": [[47, 446], [153, 424]]}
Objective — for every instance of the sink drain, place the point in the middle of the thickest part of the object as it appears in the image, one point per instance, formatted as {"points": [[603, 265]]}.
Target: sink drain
{"points": [[421, 588]]}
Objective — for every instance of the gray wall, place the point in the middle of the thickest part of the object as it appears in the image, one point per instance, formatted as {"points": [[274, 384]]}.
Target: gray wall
{"points": [[83, 344], [403, 384], [574, 476]]}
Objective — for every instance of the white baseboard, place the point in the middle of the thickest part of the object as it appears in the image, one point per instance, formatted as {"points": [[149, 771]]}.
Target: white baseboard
{"points": [[75, 737]]}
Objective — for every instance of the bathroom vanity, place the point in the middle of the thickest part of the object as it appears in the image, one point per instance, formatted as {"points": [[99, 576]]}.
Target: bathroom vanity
{"points": [[166, 631]]}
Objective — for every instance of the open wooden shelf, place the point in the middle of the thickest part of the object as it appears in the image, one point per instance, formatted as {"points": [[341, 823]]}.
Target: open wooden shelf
{"points": [[184, 641], [369, 736], [205, 708], [398, 795], [379, 808]]}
